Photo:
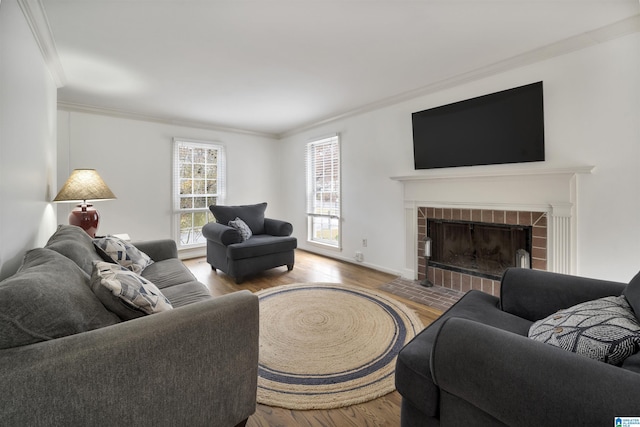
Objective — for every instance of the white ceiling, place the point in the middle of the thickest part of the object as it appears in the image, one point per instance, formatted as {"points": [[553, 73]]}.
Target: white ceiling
{"points": [[277, 66]]}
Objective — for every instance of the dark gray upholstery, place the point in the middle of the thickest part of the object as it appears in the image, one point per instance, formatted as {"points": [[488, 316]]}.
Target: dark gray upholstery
{"points": [[271, 244], [476, 366], [74, 363]]}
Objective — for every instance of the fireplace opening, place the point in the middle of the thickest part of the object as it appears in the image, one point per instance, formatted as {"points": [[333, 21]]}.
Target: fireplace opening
{"points": [[480, 249]]}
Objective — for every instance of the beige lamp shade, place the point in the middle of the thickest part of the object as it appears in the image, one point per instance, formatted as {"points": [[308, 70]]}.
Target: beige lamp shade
{"points": [[83, 185]]}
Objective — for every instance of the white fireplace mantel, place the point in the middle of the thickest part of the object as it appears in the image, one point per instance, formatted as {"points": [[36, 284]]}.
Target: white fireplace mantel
{"points": [[521, 187], [493, 172]]}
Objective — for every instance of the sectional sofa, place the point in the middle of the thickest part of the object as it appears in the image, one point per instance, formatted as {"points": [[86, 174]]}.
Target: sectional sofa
{"points": [[73, 354]]}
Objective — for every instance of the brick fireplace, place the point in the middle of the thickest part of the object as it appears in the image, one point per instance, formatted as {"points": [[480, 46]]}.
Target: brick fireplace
{"points": [[537, 195], [466, 280]]}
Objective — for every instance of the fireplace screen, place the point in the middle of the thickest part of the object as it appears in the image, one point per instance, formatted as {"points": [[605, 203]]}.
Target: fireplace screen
{"points": [[477, 248]]}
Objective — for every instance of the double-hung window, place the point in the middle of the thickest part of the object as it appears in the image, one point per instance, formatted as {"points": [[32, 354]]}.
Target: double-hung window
{"points": [[323, 191], [198, 182]]}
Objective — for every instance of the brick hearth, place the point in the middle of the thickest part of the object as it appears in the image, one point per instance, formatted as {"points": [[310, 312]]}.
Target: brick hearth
{"points": [[465, 282]]}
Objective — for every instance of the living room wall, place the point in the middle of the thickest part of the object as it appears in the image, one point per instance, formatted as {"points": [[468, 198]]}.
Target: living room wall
{"points": [[134, 157], [592, 115], [27, 141]]}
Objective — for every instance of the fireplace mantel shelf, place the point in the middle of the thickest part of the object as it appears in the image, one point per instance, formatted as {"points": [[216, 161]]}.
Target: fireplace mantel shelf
{"points": [[472, 172]]}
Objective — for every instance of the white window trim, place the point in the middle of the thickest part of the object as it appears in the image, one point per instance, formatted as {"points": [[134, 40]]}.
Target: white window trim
{"points": [[221, 180], [309, 184]]}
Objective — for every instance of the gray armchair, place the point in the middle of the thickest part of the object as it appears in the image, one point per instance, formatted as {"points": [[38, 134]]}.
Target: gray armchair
{"points": [[249, 246], [476, 365]]}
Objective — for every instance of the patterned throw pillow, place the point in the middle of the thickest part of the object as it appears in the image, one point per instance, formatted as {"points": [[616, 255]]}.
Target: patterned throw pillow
{"points": [[605, 329], [125, 293], [124, 253], [242, 228]]}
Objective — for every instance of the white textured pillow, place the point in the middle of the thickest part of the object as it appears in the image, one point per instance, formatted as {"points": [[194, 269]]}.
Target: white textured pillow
{"points": [[124, 253], [125, 293], [605, 329], [242, 228]]}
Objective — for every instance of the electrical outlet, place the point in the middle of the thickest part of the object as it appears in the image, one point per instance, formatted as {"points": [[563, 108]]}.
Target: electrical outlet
{"points": [[364, 242], [359, 256]]}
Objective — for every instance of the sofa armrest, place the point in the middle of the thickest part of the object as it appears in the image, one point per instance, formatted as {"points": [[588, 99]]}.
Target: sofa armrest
{"points": [[527, 383], [221, 234], [534, 294], [158, 250], [276, 227], [194, 365]]}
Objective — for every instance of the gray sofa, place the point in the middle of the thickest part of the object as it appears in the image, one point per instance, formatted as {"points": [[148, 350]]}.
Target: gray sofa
{"points": [[65, 359], [477, 366], [264, 243]]}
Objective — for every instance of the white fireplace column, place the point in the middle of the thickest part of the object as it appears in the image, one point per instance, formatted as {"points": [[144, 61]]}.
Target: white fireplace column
{"points": [[561, 245]]}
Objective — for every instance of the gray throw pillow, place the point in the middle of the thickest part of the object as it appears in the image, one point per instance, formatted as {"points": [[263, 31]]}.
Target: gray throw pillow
{"points": [[125, 293], [252, 215], [242, 228], [124, 253], [604, 329], [49, 297]]}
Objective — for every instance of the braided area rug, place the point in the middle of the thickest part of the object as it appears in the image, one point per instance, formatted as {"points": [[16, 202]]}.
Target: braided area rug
{"points": [[325, 345]]}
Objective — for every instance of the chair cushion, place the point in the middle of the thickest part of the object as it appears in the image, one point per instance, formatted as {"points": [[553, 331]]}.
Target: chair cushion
{"points": [[126, 293], [259, 245], [49, 297], [252, 215], [604, 329]]}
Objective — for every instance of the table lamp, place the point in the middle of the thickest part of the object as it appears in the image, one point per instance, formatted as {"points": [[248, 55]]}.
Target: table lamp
{"points": [[83, 185]]}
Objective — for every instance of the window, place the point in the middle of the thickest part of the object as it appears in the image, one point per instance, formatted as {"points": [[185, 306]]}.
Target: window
{"points": [[323, 191], [198, 182]]}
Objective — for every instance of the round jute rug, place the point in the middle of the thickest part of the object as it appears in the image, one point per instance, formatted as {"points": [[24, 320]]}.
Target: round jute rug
{"points": [[325, 345]]}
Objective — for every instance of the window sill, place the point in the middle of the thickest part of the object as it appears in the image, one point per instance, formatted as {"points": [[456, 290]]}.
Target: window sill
{"points": [[324, 246]]}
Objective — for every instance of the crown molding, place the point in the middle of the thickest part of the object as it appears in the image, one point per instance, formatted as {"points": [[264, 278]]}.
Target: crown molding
{"points": [[36, 17], [581, 41], [123, 114]]}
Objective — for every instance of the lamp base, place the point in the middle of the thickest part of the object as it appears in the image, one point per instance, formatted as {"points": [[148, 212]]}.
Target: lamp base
{"points": [[86, 217]]}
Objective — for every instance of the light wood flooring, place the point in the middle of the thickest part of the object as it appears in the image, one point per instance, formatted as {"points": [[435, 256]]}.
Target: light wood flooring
{"points": [[384, 411]]}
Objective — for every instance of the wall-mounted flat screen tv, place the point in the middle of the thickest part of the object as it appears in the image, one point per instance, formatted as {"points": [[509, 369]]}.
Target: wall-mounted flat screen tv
{"points": [[502, 127]]}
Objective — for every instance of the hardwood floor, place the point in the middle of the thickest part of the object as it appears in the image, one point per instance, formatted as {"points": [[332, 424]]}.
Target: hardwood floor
{"points": [[384, 411]]}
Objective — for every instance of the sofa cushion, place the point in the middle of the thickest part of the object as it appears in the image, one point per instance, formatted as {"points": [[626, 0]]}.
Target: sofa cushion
{"points": [[49, 297], [124, 253], [632, 293], [187, 293], [126, 293], [167, 273], [253, 215], [74, 243], [262, 244], [242, 227], [604, 329]]}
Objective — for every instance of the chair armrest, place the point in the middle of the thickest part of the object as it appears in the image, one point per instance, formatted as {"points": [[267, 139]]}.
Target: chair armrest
{"points": [[194, 365], [158, 250], [221, 234], [276, 227], [534, 294], [527, 383]]}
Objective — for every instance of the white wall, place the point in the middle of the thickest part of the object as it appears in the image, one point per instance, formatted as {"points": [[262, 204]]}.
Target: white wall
{"points": [[134, 158], [27, 141], [592, 115]]}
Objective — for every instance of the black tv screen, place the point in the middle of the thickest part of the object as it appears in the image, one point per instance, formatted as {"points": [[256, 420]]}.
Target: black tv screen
{"points": [[502, 127]]}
